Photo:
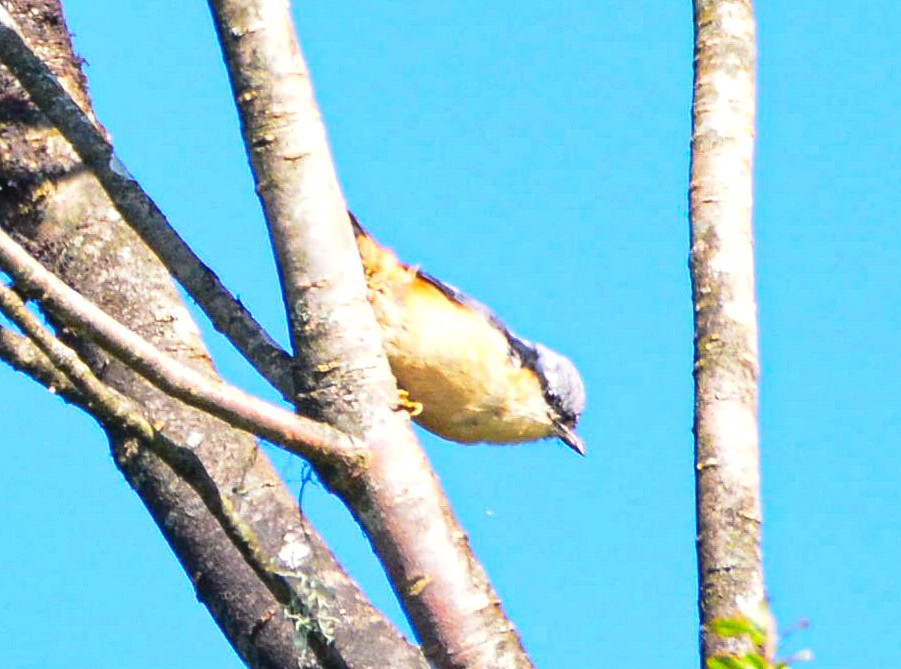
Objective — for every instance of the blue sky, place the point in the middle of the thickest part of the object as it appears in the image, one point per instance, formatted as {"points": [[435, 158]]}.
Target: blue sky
{"points": [[536, 155]]}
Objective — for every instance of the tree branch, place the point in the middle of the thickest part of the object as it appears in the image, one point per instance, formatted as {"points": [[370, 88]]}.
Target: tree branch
{"points": [[226, 313], [342, 374], [317, 441], [59, 211], [63, 369], [726, 349], [118, 414], [107, 405], [337, 343], [21, 354]]}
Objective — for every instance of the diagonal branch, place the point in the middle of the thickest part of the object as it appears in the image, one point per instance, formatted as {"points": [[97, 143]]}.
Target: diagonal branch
{"points": [[316, 441], [58, 367], [341, 373], [23, 355], [62, 214], [443, 588], [336, 342], [58, 360], [226, 313]]}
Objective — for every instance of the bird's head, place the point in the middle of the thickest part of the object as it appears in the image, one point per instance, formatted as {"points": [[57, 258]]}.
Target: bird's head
{"points": [[564, 391]]}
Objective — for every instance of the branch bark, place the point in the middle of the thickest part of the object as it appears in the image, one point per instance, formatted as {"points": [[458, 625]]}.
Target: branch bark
{"points": [[337, 343], [60, 213], [342, 374], [311, 439], [726, 349], [76, 124], [21, 354]]}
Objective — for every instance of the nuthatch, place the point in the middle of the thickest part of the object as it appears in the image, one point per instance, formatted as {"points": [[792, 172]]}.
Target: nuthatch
{"points": [[467, 377]]}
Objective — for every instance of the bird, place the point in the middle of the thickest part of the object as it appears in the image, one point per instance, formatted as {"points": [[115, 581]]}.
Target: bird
{"points": [[462, 374]]}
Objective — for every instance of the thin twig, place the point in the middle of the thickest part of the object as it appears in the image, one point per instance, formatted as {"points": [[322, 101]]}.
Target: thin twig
{"points": [[306, 437], [107, 405], [23, 355], [226, 313]]}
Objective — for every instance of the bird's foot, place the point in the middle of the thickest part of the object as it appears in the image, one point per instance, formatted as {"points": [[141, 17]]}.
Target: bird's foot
{"points": [[404, 403]]}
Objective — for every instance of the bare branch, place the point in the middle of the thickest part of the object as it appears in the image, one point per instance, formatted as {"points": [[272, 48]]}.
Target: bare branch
{"points": [[342, 374], [226, 313], [316, 441], [57, 364], [337, 343], [118, 415], [108, 405], [67, 221], [726, 349], [61, 213], [443, 588], [21, 354]]}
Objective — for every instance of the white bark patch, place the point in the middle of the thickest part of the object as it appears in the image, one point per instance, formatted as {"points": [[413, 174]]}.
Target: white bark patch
{"points": [[734, 261], [733, 20], [194, 439], [294, 552], [732, 423], [731, 84], [741, 311]]}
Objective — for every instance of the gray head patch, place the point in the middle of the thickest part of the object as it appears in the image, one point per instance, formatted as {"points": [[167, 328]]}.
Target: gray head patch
{"points": [[563, 387], [561, 382]]}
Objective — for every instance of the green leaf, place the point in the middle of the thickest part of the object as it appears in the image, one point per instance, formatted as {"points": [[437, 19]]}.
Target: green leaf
{"points": [[732, 627], [758, 636], [737, 627], [757, 661], [728, 662]]}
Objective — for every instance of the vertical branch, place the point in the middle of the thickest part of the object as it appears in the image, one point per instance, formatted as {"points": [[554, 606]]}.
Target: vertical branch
{"points": [[726, 349]]}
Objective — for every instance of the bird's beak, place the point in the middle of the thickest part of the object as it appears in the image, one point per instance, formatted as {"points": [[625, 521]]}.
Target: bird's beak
{"points": [[569, 437]]}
